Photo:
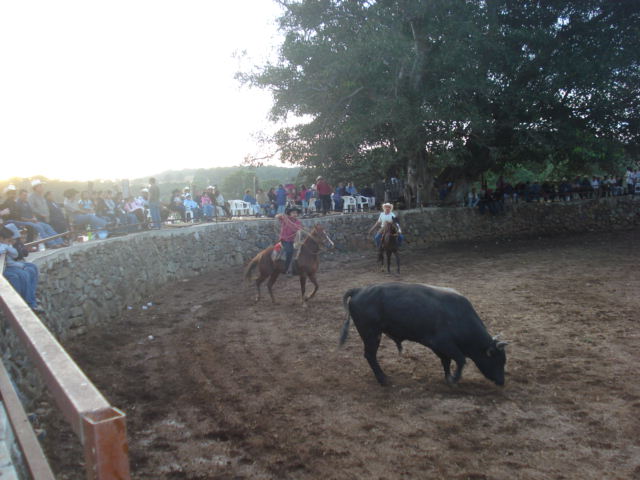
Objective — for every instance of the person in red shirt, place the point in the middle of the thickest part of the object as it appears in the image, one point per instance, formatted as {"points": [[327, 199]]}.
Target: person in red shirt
{"points": [[324, 194], [289, 226]]}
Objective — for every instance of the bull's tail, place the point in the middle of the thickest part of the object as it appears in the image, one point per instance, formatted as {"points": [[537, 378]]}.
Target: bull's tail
{"points": [[345, 303], [251, 267]]}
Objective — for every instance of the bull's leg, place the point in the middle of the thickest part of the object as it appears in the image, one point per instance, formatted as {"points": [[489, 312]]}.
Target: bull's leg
{"points": [[446, 355], [397, 342], [272, 280], [371, 344], [446, 365]]}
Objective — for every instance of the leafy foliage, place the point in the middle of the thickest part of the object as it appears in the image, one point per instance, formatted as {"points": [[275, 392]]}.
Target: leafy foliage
{"points": [[455, 89]]}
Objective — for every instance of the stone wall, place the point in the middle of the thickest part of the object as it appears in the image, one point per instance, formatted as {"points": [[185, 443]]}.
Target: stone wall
{"points": [[93, 282]]}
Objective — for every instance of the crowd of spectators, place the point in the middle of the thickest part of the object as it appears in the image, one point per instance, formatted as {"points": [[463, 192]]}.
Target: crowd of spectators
{"points": [[494, 199]]}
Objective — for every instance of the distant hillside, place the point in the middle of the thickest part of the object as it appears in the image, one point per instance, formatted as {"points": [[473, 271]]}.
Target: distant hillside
{"points": [[233, 181]]}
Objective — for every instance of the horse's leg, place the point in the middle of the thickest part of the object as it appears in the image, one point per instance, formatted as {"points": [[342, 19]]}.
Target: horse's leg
{"points": [[272, 280], [397, 260], [381, 259], [388, 261], [259, 281], [303, 287], [312, 277]]}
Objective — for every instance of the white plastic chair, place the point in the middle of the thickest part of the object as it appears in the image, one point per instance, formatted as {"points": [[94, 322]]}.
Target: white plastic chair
{"points": [[636, 189], [188, 215], [349, 204], [238, 208], [362, 202]]}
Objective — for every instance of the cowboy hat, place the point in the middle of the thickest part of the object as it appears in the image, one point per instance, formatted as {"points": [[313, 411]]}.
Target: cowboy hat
{"points": [[387, 205], [36, 182], [292, 209], [10, 188]]}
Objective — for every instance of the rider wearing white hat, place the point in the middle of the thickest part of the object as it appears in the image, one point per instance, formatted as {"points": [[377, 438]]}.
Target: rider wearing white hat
{"points": [[386, 215]]}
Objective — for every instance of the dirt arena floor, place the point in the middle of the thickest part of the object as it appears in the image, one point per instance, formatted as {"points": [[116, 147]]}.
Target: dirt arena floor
{"points": [[218, 387]]}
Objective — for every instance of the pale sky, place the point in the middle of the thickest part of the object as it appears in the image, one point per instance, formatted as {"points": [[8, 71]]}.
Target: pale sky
{"points": [[125, 89]]}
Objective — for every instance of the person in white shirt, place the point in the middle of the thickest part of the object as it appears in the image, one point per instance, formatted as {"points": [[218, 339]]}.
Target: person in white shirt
{"points": [[386, 215]]}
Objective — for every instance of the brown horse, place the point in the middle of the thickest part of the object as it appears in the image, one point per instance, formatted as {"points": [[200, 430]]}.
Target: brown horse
{"points": [[305, 265], [389, 245]]}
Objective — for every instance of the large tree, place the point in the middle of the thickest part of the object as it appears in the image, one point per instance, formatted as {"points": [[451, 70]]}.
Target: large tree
{"points": [[454, 89]]}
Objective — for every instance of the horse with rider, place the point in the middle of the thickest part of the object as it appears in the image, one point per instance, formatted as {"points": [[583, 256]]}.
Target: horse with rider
{"points": [[300, 249], [388, 237]]}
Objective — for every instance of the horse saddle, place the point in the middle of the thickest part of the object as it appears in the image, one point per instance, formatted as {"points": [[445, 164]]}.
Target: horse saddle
{"points": [[278, 253]]}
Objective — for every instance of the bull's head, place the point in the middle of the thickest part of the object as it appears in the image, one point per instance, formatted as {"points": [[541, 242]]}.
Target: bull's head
{"points": [[494, 361]]}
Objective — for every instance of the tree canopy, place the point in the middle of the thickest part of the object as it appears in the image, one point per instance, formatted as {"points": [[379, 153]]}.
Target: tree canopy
{"points": [[455, 89]]}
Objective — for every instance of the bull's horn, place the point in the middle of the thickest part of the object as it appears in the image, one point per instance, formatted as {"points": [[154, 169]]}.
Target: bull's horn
{"points": [[501, 345], [497, 337]]}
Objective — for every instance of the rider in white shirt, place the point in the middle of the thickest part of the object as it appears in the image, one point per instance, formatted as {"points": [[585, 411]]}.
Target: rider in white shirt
{"points": [[386, 215]]}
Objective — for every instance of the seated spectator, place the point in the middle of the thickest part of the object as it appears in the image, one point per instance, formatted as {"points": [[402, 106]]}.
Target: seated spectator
{"points": [[250, 199], [56, 214], [264, 202], [133, 207], [176, 204], [76, 214], [191, 208], [351, 189], [207, 204], [23, 276], [27, 217], [472, 198], [220, 202], [338, 202]]}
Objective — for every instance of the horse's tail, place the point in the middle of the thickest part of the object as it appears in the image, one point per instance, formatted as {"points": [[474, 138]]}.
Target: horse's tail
{"points": [[251, 267], [345, 303]]}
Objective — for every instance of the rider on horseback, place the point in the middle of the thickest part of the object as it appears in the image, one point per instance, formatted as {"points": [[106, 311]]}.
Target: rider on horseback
{"points": [[289, 226], [386, 216]]}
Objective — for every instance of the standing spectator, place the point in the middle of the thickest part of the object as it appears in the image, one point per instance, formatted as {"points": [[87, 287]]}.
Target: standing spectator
{"points": [[154, 204], [629, 179], [472, 198], [273, 199], [351, 189], [281, 199], [303, 199], [324, 193]]}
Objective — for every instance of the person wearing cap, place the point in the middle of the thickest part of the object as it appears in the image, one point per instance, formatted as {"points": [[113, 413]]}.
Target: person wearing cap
{"points": [[324, 194], [289, 226], [23, 276], [38, 203], [386, 216]]}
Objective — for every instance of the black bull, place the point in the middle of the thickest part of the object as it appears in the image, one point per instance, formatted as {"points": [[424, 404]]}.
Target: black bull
{"points": [[438, 318]]}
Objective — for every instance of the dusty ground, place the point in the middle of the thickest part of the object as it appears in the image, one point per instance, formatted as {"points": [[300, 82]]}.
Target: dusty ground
{"points": [[230, 389]]}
